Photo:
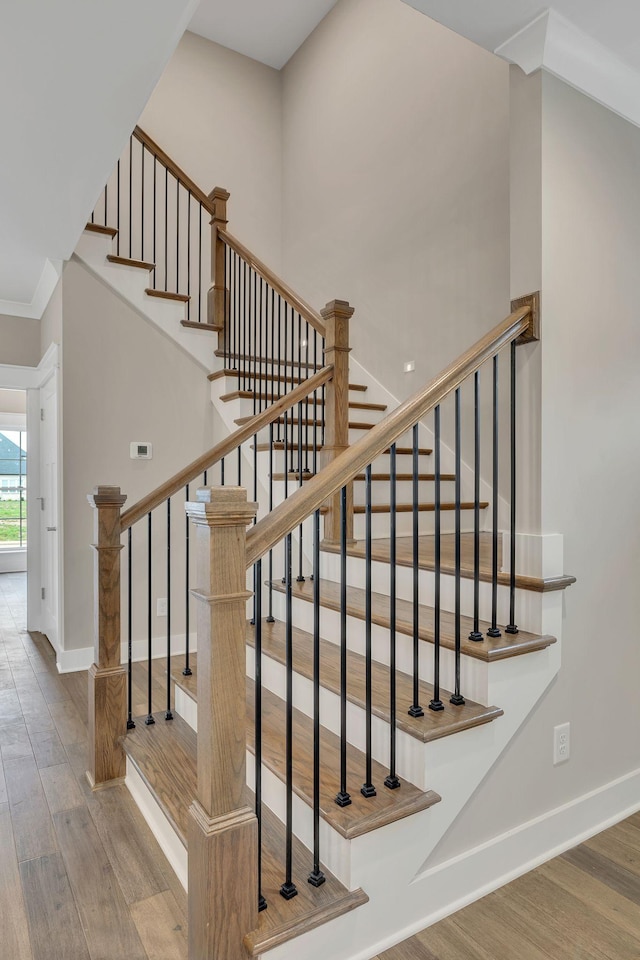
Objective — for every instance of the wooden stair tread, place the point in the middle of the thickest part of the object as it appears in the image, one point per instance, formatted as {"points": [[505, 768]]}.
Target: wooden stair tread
{"points": [[128, 262], [433, 726], [249, 395], [279, 445], [422, 507], [194, 325], [168, 295], [403, 477], [426, 543], [271, 361], [100, 228], [489, 649], [307, 423], [165, 756], [274, 377], [363, 815], [408, 451]]}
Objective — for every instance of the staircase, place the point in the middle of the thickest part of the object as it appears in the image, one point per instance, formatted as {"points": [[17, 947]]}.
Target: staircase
{"points": [[357, 668]]}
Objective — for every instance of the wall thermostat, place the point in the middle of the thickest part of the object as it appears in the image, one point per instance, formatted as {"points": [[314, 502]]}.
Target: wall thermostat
{"points": [[140, 450]]}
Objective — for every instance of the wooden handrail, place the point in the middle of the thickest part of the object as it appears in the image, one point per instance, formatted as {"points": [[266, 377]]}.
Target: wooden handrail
{"points": [[174, 169], [224, 448], [283, 289], [288, 515]]}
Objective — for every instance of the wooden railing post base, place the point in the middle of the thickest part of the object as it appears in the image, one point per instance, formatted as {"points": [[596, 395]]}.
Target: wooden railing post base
{"points": [[107, 678], [107, 708], [216, 312], [223, 905]]}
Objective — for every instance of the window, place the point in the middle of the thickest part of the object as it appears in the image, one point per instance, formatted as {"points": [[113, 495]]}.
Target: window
{"points": [[13, 488]]}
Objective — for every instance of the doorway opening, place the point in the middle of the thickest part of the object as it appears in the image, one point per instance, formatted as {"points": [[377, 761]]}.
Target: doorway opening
{"points": [[13, 481]]}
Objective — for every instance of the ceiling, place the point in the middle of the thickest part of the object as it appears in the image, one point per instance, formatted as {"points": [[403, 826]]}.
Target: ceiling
{"points": [[266, 30], [70, 97], [74, 78]]}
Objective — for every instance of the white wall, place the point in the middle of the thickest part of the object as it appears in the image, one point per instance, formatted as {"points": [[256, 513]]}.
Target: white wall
{"points": [[123, 381], [590, 466], [396, 184], [218, 115]]}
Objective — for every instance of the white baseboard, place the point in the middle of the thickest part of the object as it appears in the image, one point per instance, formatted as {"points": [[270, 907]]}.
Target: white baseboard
{"points": [[81, 659], [475, 873], [13, 561]]}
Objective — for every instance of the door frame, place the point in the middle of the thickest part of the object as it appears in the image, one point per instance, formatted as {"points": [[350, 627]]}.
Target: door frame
{"points": [[32, 379]]}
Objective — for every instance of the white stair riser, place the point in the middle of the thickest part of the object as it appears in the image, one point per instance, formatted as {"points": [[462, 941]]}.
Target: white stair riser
{"points": [[411, 758], [473, 671], [245, 405], [527, 601]]}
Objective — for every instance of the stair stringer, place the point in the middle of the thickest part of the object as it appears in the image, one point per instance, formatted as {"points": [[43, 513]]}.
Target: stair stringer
{"points": [[130, 283], [407, 890]]}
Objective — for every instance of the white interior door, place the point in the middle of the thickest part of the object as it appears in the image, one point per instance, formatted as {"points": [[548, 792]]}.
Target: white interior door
{"points": [[49, 532]]}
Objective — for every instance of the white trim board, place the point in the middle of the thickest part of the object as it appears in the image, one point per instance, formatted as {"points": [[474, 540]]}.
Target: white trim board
{"points": [[69, 661], [452, 885], [555, 44]]}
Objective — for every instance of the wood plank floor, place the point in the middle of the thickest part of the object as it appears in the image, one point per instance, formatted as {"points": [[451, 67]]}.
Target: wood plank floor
{"points": [[77, 867], [81, 875]]}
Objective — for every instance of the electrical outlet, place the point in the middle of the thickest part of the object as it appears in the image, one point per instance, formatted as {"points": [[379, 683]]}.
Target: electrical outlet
{"points": [[561, 743], [409, 366], [161, 607]]}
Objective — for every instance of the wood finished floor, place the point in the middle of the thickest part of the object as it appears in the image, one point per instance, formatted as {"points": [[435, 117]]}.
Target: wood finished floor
{"points": [[82, 878], [81, 875]]}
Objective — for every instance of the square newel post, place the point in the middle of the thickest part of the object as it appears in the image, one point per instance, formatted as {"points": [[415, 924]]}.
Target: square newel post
{"points": [[336, 316], [223, 830], [217, 292], [107, 676]]}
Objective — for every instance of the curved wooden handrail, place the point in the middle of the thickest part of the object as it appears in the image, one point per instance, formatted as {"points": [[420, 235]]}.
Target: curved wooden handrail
{"points": [[174, 169], [288, 515], [224, 448], [280, 287]]}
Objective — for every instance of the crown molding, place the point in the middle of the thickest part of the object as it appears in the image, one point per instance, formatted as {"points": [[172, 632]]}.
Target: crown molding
{"points": [[553, 43]]}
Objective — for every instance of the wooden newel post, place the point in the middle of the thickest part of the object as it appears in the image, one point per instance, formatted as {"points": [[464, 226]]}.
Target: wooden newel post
{"points": [[336, 316], [223, 830], [217, 292], [107, 676]]}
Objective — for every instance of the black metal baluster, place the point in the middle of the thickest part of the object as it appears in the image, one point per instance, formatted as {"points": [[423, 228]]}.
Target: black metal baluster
{"points": [[493, 630], [415, 710], [270, 617], [456, 698], [189, 257], [288, 889], [130, 195], [142, 203], [155, 225], [392, 781], [222, 472], [106, 204], [316, 877], [177, 235], [166, 227], [512, 628], [168, 714], [436, 703], [130, 722], [368, 789], [475, 634], [300, 578], [235, 314], [187, 595], [246, 347], [200, 268], [149, 719], [118, 209], [262, 325], [257, 593], [343, 799]]}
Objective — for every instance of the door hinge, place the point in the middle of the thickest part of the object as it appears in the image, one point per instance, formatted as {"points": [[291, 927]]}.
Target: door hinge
{"points": [[42, 413], [42, 593]]}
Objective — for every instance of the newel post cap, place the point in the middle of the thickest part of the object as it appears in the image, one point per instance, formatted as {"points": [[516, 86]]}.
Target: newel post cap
{"points": [[340, 309], [106, 496], [221, 506]]}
